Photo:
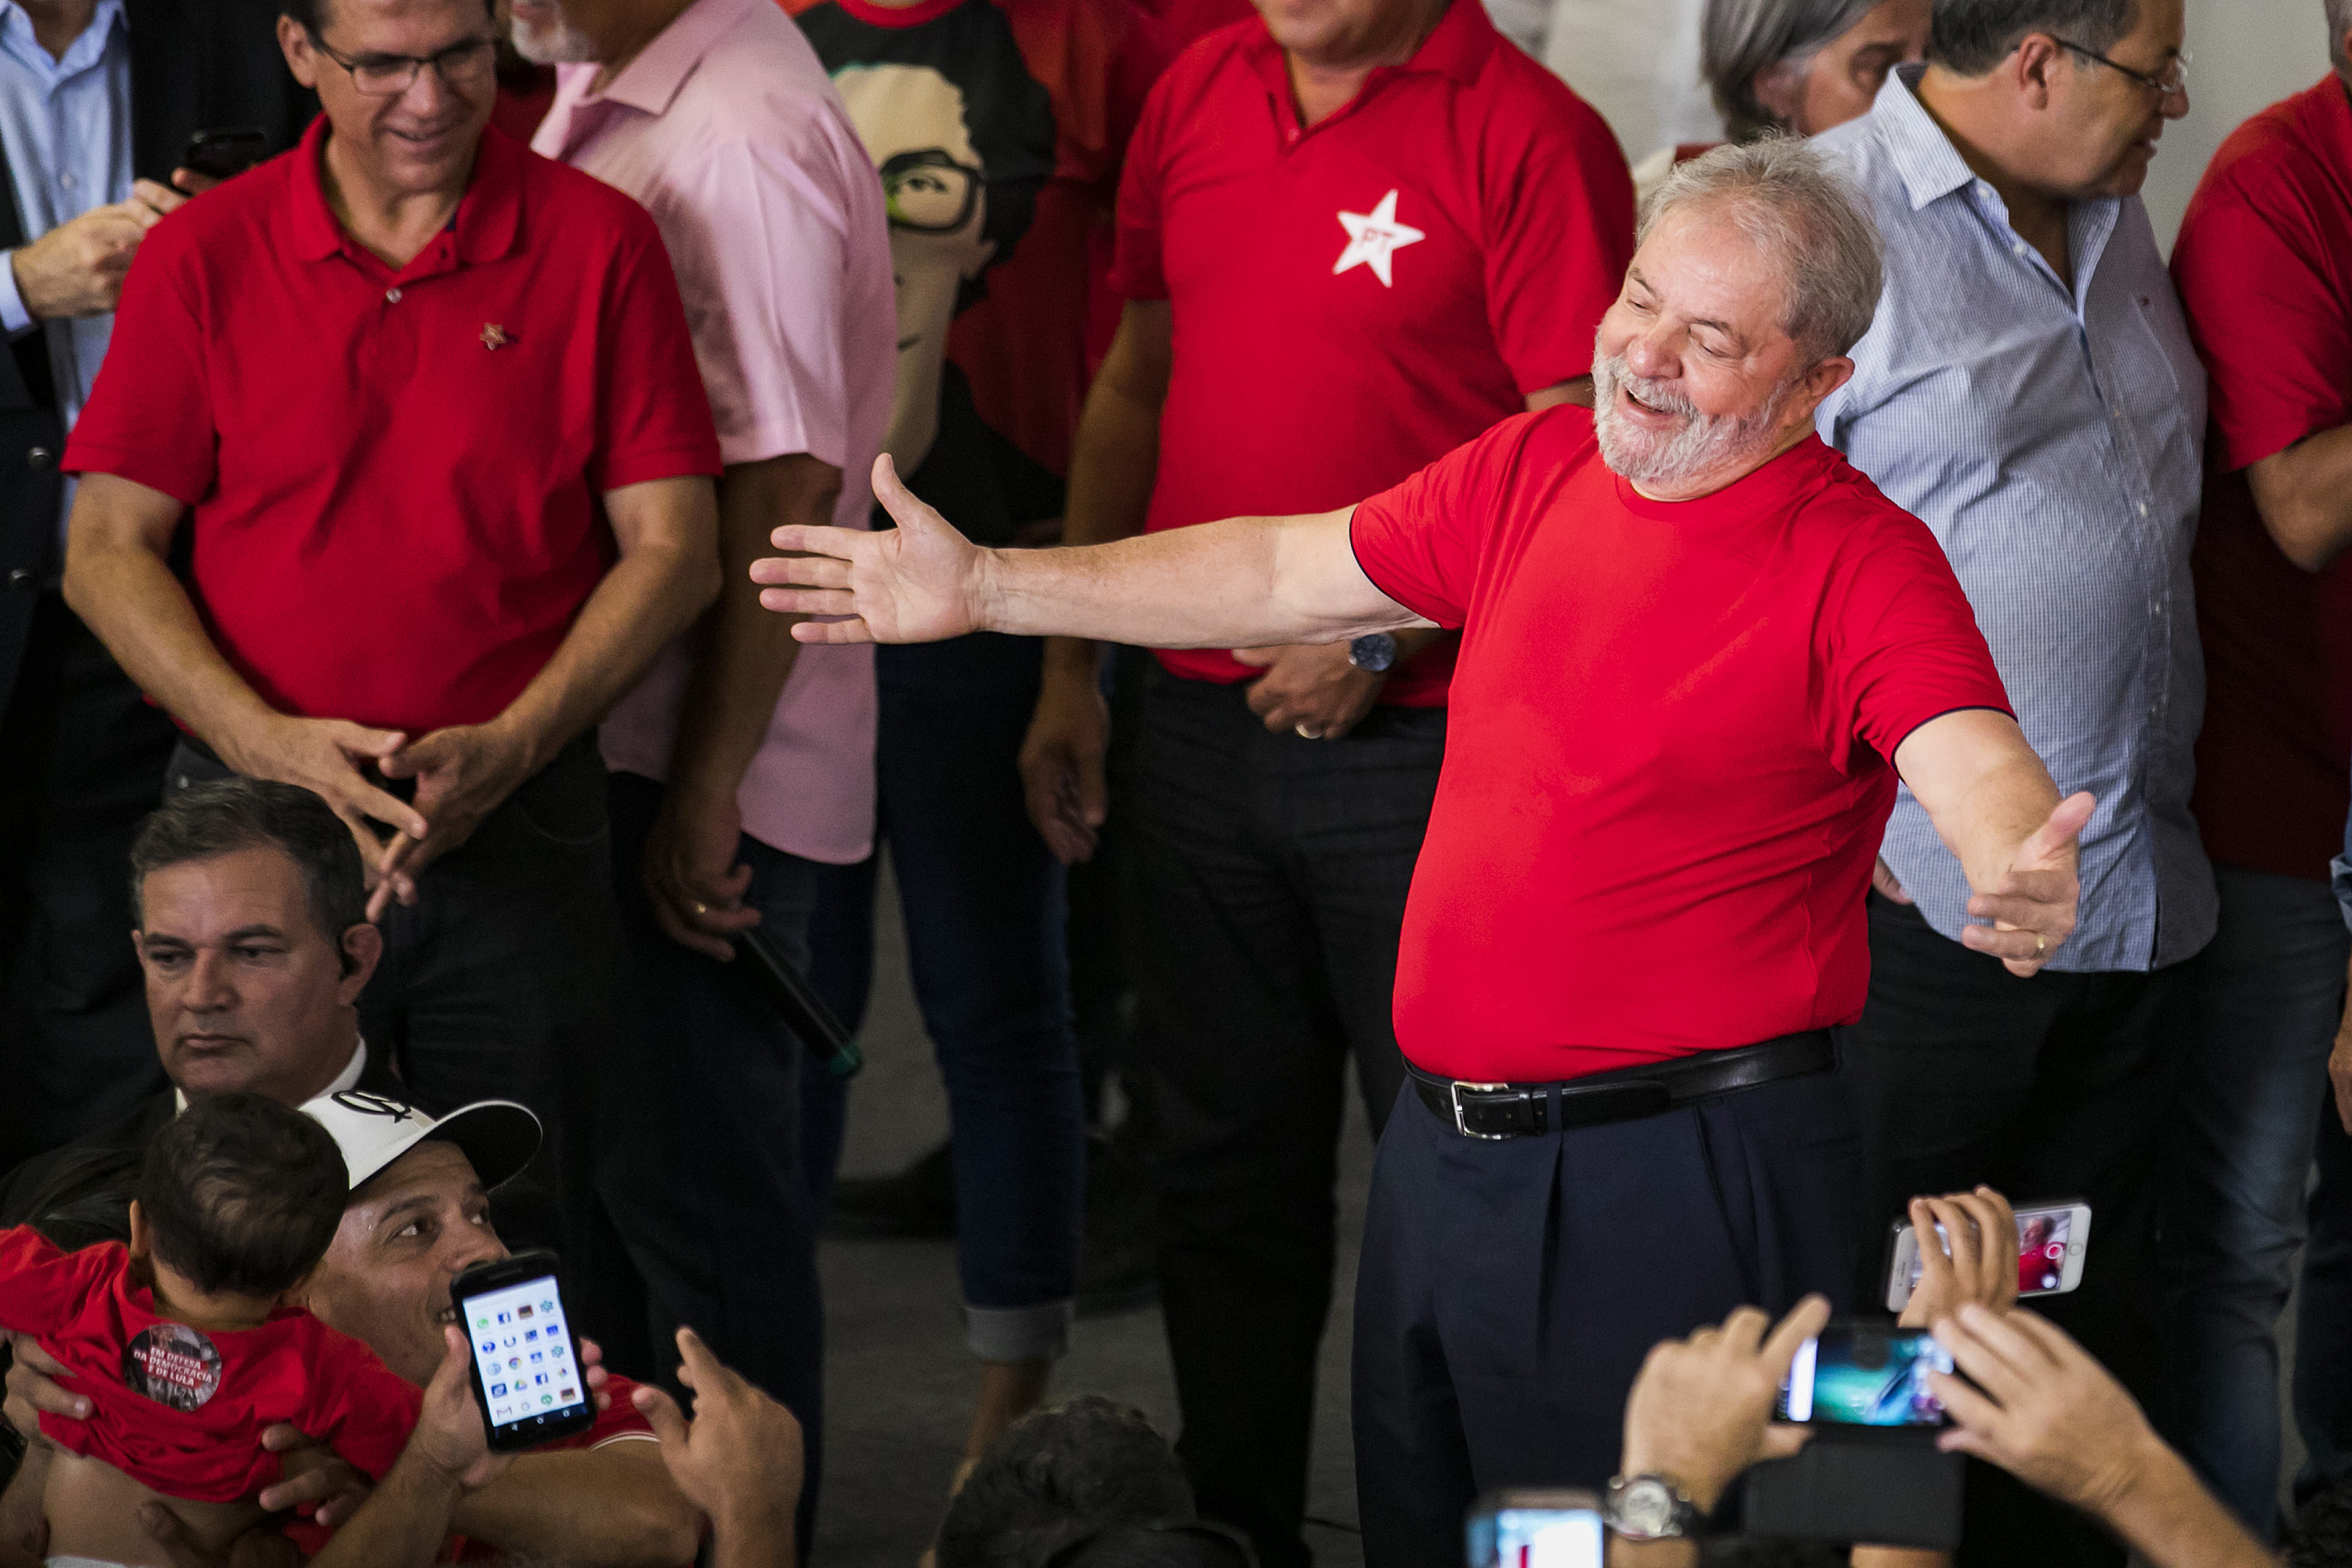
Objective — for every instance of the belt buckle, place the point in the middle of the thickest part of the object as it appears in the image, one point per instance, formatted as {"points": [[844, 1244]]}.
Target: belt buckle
{"points": [[1453, 1089]]}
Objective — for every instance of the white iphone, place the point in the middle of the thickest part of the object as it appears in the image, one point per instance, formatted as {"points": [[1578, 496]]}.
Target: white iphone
{"points": [[2051, 1241]]}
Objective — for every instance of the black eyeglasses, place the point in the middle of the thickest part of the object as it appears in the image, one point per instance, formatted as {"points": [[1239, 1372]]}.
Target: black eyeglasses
{"points": [[2175, 78], [468, 63], [928, 192]]}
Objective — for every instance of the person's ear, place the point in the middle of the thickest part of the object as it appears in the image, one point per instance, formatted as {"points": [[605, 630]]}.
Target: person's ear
{"points": [[362, 951], [294, 43], [1780, 88], [1814, 387], [142, 1235], [2032, 69]]}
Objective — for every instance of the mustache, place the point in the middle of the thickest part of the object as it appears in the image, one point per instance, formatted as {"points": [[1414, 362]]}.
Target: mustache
{"points": [[1658, 395]]}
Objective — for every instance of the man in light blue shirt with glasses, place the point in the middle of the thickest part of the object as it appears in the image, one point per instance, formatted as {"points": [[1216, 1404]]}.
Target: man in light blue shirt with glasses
{"points": [[2028, 390]]}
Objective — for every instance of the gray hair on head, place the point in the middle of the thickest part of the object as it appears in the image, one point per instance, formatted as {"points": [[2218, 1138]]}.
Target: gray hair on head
{"points": [[1786, 198], [2339, 22], [1741, 38], [1971, 37]]}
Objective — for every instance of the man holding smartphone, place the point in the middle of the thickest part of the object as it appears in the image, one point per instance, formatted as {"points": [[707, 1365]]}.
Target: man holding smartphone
{"points": [[1699, 650], [84, 756]]}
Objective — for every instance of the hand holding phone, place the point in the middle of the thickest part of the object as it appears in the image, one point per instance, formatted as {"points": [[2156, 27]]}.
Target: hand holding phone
{"points": [[526, 1363], [224, 155], [2053, 1242]]}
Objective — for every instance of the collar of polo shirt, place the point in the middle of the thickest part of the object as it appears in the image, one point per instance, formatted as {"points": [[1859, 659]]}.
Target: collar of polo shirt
{"points": [[486, 225]]}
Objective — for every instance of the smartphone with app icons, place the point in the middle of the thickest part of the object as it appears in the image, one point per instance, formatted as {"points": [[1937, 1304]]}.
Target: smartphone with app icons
{"points": [[525, 1358]]}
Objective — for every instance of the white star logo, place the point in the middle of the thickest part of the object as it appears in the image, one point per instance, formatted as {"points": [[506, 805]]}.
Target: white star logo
{"points": [[1373, 237]]}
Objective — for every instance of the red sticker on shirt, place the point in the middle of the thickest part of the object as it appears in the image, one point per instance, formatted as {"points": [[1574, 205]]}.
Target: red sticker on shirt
{"points": [[172, 1364]]}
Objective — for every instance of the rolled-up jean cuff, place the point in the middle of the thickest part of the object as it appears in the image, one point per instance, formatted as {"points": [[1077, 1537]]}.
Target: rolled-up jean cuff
{"points": [[1019, 1334]]}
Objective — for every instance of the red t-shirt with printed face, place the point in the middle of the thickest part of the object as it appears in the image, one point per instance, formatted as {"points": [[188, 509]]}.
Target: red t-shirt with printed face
{"points": [[181, 1410], [395, 474], [1358, 298], [2265, 267], [1666, 770]]}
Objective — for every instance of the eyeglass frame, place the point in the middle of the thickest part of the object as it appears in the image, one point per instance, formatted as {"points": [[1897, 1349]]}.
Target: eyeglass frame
{"points": [[415, 63], [2180, 63], [975, 181]]}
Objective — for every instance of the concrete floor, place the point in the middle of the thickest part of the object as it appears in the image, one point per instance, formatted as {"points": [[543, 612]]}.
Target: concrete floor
{"points": [[898, 1381]]}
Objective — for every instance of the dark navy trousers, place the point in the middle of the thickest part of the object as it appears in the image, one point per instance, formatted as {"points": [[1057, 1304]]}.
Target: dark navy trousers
{"points": [[1509, 1290]]}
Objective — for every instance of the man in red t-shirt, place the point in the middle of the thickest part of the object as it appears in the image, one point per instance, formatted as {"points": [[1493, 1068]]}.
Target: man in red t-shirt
{"points": [[1352, 235], [2264, 268], [1698, 649], [421, 412]]}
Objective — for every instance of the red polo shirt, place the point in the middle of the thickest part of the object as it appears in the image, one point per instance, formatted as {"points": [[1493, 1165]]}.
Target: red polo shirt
{"points": [[2265, 267], [1666, 770], [394, 473], [1357, 299]]}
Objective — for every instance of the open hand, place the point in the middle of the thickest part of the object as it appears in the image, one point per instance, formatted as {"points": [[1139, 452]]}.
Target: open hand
{"points": [[449, 1434], [2037, 1405], [1310, 690], [2032, 905], [740, 1461], [920, 582], [1981, 1231], [1701, 1410]]}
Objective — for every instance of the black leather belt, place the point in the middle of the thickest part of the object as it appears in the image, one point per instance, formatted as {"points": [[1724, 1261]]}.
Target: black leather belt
{"points": [[1497, 1110]]}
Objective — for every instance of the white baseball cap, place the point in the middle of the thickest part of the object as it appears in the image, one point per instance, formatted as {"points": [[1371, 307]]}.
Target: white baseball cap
{"points": [[374, 1130]]}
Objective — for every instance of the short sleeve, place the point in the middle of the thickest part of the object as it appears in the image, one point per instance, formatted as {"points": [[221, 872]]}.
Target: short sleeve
{"points": [[2274, 331], [1560, 214], [1900, 644], [652, 416], [149, 414], [768, 338], [41, 1287], [1420, 541], [1136, 268], [366, 1411]]}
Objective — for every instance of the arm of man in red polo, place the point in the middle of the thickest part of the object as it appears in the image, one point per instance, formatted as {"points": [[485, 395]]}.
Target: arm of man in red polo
{"points": [[2261, 252]]}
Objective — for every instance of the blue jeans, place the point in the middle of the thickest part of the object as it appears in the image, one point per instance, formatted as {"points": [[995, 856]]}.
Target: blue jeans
{"points": [[2266, 997], [982, 901], [701, 1175]]}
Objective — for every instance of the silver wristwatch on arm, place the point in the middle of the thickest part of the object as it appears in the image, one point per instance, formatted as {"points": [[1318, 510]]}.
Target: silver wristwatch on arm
{"points": [[1650, 1508], [1373, 653]]}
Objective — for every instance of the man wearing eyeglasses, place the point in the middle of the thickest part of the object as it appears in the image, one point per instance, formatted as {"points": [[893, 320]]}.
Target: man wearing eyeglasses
{"points": [[422, 413], [2029, 389]]}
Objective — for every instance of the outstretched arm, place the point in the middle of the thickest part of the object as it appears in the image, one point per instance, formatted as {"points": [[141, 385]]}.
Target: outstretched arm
{"points": [[1996, 810], [1247, 582]]}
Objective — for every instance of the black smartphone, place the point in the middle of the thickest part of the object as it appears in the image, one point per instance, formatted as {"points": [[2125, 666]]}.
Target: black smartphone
{"points": [[224, 154], [527, 1371], [1867, 1375], [796, 1003]]}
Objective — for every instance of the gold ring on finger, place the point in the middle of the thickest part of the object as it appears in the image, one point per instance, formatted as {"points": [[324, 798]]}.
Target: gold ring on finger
{"points": [[2041, 945], [702, 908]]}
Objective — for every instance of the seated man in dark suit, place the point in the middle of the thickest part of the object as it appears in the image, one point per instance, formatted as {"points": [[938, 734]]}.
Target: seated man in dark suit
{"points": [[252, 932]]}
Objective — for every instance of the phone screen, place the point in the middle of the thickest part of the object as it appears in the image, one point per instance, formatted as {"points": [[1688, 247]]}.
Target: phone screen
{"points": [[522, 1347], [1865, 1376], [1515, 1537], [2042, 1237]]}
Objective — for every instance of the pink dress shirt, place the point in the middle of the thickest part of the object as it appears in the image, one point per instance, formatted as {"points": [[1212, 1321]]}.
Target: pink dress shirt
{"points": [[726, 128]]}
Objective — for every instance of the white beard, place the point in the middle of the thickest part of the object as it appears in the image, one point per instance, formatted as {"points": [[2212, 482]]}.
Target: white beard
{"points": [[1708, 443], [560, 44]]}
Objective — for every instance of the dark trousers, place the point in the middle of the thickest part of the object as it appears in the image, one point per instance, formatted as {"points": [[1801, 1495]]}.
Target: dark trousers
{"points": [[81, 765], [1271, 873], [702, 1173], [982, 901], [2267, 995], [2323, 1375], [1509, 1290], [507, 980], [2053, 1088]]}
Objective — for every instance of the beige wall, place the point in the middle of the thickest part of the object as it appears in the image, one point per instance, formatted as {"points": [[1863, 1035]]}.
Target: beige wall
{"points": [[2247, 54]]}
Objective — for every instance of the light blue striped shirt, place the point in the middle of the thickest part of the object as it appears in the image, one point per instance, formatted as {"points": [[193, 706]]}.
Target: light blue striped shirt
{"points": [[66, 125], [2053, 439]]}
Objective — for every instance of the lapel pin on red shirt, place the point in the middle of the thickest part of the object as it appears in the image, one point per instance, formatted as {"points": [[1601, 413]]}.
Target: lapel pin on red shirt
{"points": [[494, 336]]}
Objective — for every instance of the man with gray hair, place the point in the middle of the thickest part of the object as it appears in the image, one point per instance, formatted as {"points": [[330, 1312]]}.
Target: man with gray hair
{"points": [[1697, 651], [2029, 390]]}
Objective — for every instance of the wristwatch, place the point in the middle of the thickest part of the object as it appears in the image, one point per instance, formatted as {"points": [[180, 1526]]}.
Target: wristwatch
{"points": [[1373, 653], [1650, 1508]]}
